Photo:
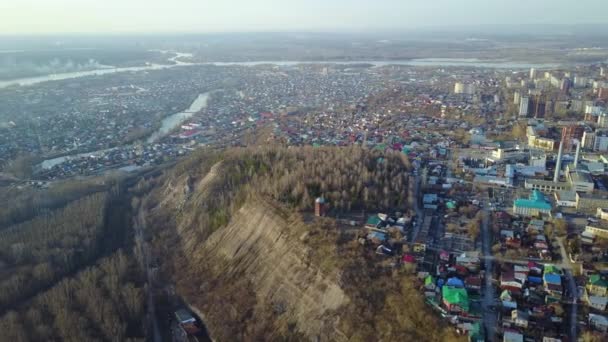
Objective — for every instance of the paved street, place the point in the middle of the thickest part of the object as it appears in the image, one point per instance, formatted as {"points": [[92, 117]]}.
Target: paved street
{"points": [[571, 288], [489, 316]]}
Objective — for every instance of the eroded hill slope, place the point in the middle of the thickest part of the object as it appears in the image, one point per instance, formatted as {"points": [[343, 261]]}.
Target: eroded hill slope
{"points": [[240, 245]]}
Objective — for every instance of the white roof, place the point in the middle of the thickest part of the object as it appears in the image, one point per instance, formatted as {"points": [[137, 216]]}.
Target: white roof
{"points": [[511, 336]]}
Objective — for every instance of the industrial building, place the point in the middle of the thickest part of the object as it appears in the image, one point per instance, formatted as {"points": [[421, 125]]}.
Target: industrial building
{"points": [[589, 202], [565, 198], [533, 206]]}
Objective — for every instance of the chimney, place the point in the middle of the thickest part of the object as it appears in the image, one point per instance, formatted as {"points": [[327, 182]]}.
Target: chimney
{"points": [[558, 163], [578, 154]]}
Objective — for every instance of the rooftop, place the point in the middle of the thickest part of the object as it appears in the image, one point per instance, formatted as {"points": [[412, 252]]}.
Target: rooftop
{"points": [[580, 177], [565, 195], [458, 296], [536, 201]]}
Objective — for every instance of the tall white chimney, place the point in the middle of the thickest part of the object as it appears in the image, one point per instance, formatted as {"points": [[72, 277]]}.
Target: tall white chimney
{"points": [[578, 154], [558, 162]]}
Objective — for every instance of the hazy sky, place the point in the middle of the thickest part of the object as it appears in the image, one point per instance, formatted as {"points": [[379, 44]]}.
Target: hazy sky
{"points": [[102, 16]]}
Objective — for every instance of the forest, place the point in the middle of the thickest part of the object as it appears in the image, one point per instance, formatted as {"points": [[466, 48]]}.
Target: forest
{"points": [[67, 270], [104, 302]]}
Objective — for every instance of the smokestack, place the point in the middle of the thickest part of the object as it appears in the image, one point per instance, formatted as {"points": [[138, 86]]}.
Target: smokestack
{"points": [[558, 163], [578, 154]]}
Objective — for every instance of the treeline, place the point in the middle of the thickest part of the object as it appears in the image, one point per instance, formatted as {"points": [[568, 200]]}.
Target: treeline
{"points": [[39, 252], [350, 178], [18, 205], [102, 303]]}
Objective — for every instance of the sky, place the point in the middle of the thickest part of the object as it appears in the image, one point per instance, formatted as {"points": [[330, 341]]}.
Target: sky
{"points": [[200, 16]]}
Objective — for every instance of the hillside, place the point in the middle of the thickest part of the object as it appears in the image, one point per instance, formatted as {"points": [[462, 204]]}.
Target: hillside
{"points": [[234, 235]]}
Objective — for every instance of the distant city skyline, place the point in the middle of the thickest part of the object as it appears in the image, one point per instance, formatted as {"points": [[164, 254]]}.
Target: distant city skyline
{"points": [[200, 16]]}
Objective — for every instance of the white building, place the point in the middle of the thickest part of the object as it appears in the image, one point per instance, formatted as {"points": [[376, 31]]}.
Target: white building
{"points": [[580, 82], [464, 88], [600, 143], [538, 159], [602, 120], [523, 106], [565, 198], [516, 97], [588, 140], [593, 110]]}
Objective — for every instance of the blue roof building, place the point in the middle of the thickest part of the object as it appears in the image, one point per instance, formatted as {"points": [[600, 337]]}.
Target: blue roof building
{"points": [[533, 206]]}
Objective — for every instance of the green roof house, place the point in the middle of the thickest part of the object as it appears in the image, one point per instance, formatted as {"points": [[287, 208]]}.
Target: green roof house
{"points": [[373, 221], [455, 299], [597, 285]]}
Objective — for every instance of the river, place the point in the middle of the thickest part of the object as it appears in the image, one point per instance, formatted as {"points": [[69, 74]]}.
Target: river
{"points": [[172, 121], [106, 70], [168, 124], [429, 62]]}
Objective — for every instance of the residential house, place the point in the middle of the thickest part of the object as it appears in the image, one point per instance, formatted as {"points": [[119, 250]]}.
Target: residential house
{"points": [[597, 285], [473, 283], [520, 318], [455, 299], [512, 336], [597, 302], [598, 322], [553, 284], [470, 260], [508, 281], [507, 300]]}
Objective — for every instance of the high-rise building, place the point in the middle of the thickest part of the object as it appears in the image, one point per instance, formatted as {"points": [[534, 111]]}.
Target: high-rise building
{"points": [[593, 110], [516, 97], [458, 88], [549, 107], [580, 81], [602, 71], [532, 73], [602, 120], [588, 140], [565, 85], [570, 133], [601, 141], [523, 106], [537, 107], [464, 88]]}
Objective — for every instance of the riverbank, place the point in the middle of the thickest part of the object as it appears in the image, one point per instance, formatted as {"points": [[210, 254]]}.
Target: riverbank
{"points": [[423, 62]]}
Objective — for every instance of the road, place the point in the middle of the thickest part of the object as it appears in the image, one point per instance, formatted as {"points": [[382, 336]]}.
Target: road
{"points": [[140, 223], [419, 211], [489, 316], [571, 288]]}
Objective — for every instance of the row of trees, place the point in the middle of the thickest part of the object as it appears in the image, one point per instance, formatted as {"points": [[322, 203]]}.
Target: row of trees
{"points": [[18, 205]]}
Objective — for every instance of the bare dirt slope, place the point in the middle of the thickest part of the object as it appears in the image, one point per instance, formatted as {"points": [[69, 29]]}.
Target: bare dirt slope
{"points": [[261, 245]]}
